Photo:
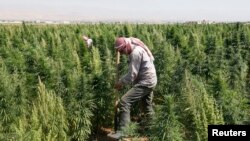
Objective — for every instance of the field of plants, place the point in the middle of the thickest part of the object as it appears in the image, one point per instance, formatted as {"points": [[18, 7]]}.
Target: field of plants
{"points": [[54, 88]]}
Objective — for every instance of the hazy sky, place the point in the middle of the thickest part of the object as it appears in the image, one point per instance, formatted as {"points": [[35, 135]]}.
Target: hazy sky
{"points": [[146, 10]]}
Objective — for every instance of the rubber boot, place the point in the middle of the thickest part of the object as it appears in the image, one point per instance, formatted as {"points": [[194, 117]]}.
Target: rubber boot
{"points": [[124, 121], [117, 135]]}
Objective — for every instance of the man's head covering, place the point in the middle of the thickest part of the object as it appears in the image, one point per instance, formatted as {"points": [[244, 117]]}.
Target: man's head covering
{"points": [[121, 43], [138, 42]]}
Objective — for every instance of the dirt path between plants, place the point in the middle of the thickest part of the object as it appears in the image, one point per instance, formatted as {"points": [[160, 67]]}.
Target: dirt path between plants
{"points": [[102, 136]]}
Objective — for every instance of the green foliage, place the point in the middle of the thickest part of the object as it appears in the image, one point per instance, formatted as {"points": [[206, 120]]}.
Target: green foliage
{"points": [[48, 117], [47, 120], [203, 78], [166, 62], [231, 102], [131, 130], [13, 99], [198, 108], [165, 124]]}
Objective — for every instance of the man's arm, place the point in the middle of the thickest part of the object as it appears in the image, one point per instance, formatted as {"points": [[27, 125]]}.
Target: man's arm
{"points": [[133, 70]]}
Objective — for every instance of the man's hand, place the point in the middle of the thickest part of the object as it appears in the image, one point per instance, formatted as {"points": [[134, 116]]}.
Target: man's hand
{"points": [[118, 86]]}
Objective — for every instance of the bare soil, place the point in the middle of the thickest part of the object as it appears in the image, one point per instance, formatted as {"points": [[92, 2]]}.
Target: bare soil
{"points": [[102, 136]]}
